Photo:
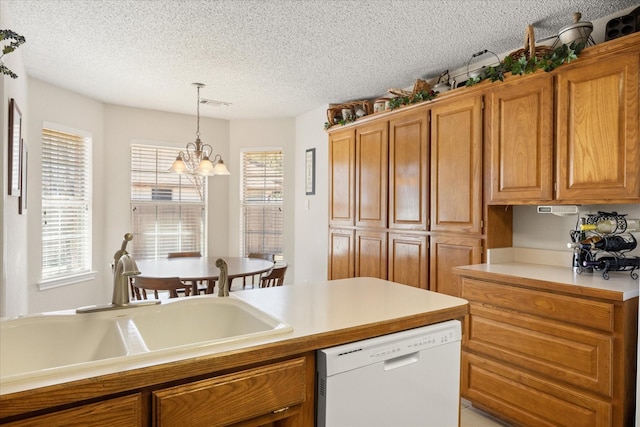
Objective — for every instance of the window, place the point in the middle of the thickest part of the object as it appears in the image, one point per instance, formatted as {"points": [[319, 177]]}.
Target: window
{"points": [[168, 211], [66, 206], [262, 202]]}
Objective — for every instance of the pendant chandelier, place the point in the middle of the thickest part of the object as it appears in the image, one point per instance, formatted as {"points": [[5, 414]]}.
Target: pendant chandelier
{"points": [[195, 158]]}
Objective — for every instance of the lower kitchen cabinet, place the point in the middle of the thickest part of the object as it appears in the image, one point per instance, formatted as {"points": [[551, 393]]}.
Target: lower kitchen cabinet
{"points": [[341, 253], [537, 357], [408, 259], [446, 252], [371, 254], [125, 411], [258, 396]]}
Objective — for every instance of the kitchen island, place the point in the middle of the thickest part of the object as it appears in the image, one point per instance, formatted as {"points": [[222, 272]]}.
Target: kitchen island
{"points": [[263, 380], [543, 345]]}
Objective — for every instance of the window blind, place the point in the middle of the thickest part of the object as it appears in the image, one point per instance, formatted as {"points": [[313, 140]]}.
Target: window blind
{"points": [[168, 211], [66, 204], [262, 202]]}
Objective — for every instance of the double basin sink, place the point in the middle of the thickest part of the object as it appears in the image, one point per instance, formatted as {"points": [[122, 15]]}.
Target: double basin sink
{"points": [[50, 343]]}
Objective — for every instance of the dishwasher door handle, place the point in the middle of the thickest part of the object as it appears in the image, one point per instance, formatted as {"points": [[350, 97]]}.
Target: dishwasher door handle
{"points": [[399, 362]]}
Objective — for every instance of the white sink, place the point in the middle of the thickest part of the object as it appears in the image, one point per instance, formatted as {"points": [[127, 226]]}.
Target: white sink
{"points": [[64, 342], [197, 321], [49, 341]]}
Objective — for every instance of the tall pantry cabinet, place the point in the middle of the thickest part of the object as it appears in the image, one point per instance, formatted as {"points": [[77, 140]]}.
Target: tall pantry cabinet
{"points": [[413, 179]]}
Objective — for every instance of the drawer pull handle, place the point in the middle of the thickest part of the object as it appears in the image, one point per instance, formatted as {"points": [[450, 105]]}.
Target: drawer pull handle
{"points": [[278, 411]]}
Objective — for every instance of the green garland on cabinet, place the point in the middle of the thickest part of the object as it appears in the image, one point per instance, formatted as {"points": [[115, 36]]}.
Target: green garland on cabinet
{"points": [[17, 40], [523, 65], [516, 66]]}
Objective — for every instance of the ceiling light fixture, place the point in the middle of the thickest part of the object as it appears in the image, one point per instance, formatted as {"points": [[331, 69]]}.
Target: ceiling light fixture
{"points": [[195, 158]]}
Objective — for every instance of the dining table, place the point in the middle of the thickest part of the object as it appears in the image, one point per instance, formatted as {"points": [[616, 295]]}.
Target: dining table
{"points": [[202, 269]]}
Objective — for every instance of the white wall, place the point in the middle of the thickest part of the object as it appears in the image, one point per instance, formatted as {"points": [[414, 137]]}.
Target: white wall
{"points": [[52, 104], [551, 232], [13, 227], [263, 133], [311, 212]]}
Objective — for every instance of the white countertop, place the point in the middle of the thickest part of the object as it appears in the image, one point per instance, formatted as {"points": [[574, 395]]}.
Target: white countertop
{"points": [[620, 285], [311, 309]]}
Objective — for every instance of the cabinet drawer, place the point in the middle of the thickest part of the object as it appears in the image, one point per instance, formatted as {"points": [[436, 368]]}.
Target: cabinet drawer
{"points": [[583, 312], [562, 352], [232, 398], [527, 399], [123, 411]]}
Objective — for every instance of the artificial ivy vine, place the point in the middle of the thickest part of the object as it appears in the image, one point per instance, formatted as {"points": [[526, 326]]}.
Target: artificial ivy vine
{"points": [[524, 65], [16, 41]]}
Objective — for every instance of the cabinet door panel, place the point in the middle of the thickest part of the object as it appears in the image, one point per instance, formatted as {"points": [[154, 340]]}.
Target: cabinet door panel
{"points": [[371, 254], [597, 145], [223, 400], [123, 411], [447, 252], [409, 171], [342, 178], [529, 400], [563, 308], [408, 259], [371, 175], [341, 254], [520, 140], [456, 166], [573, 355]]}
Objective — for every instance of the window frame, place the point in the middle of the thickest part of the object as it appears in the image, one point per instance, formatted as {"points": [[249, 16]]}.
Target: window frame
{"points": [[244, 249], [87, 272], [160, 200]]}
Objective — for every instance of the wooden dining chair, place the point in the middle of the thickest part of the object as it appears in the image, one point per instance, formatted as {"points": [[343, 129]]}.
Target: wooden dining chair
{"points": [[275, 277], [268, 257], [171, 284], [197, 286], [183, 254]]}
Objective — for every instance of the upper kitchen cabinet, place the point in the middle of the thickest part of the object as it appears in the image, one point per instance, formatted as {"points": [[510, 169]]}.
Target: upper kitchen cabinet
{"points": [[519, 140], [409, 171], [372, 151], [597, 130], [342, 178], [456, 165]]}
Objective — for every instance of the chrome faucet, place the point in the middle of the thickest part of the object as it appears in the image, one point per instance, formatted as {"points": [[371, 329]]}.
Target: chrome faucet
{"points": [[223, 278], [124, 266]]}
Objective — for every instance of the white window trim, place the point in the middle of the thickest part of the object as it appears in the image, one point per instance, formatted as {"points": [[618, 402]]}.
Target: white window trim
{"points": [[91, 274]]}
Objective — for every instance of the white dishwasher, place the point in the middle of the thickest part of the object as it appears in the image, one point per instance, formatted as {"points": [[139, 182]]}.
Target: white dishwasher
{"points": [[407, 379]]}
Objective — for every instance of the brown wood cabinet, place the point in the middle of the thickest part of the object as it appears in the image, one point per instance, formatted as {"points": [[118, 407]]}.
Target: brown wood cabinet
{"points": [[409, 171], [125, 411], [446, 252], [408, 259], [341, 253], [597, 126], [258, 396], [430, 157], [372, 164], [456, 165], [589, 110], [538, 357], [342, 178], [519, 140], [371, 254]]}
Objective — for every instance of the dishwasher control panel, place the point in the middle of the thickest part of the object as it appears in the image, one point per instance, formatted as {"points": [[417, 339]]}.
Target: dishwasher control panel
{"points": [[345, 357]]}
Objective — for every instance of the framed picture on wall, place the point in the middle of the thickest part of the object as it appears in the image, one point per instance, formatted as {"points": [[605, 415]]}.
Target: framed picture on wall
{"points": [[24, 162], [310, 172], [15, 130]]}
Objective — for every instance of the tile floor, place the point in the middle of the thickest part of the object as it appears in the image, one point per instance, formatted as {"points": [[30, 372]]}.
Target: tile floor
{"points": [[472, 417]]}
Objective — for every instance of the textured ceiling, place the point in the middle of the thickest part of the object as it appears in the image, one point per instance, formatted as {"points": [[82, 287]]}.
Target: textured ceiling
{"points": [[270, 58]]}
